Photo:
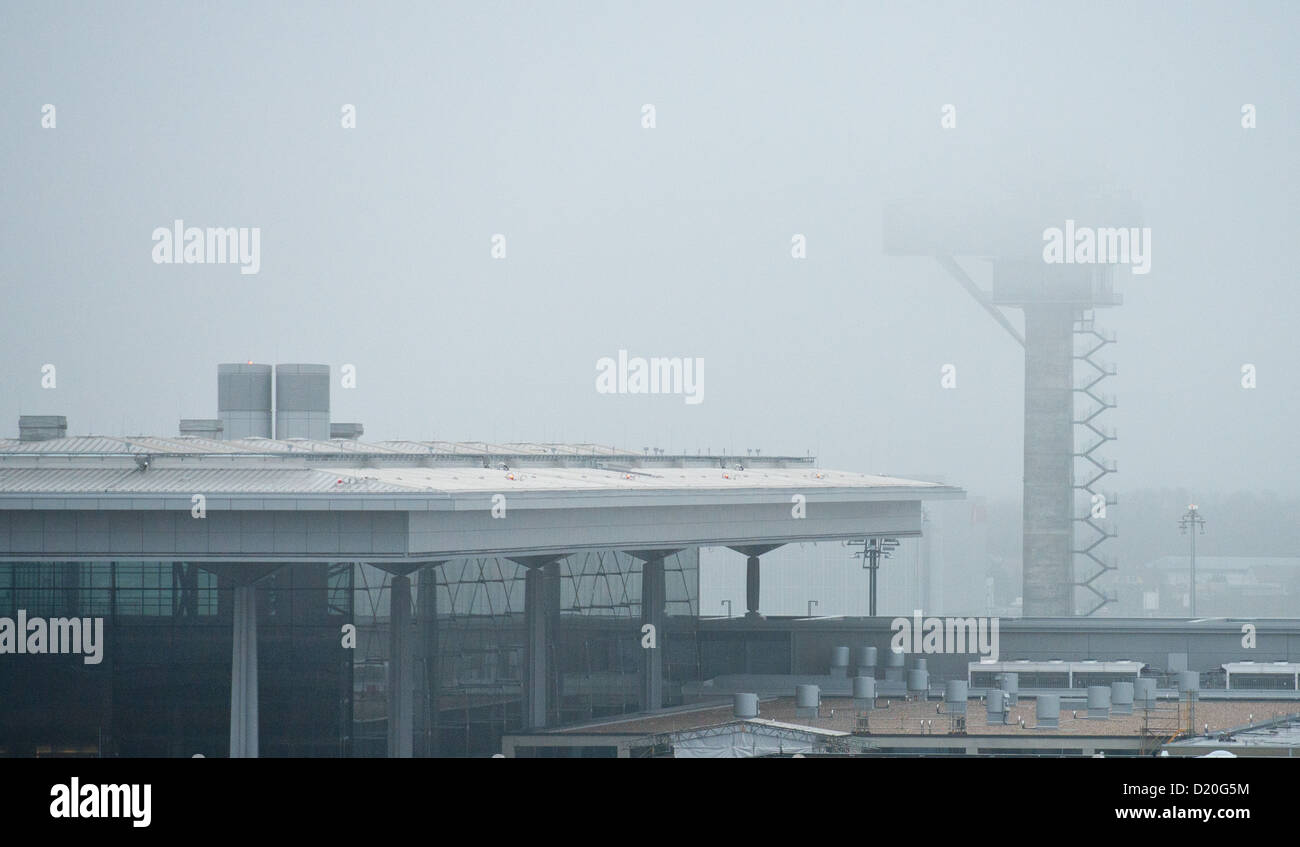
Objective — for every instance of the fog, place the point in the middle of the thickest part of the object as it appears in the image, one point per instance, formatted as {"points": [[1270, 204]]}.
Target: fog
{"points": [[770, 120]]}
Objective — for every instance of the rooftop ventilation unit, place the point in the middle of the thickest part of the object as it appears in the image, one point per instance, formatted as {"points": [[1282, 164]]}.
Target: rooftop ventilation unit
{"points": [[42, 427], [1009, 684], [201, 428], [1121, 698], [1048, 712], [955, 693], [349, 431], [997, 708], [867, 661], [807, 701], [1144, 693], [244, 400], [864, 693], [894, 663], [1098, 702], [302, 402], [745, 705], [840, 662]]}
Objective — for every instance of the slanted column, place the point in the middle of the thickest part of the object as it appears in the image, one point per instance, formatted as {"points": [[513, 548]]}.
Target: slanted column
{"points": [[243, 675], [752, 574], [401, 714]]}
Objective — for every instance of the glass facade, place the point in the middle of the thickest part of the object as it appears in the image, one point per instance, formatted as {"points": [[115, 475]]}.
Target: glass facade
{"points": [[163, 686]]}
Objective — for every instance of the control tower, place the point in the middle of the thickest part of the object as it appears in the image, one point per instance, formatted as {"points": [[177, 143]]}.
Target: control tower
{"points": [[1009, 232]]}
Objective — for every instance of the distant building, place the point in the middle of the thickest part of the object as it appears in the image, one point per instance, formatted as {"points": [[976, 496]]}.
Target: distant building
{"points": [[1248, 586]]}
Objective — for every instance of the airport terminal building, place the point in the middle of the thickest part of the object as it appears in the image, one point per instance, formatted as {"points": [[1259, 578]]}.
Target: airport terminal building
{"points": [[269, 584]]}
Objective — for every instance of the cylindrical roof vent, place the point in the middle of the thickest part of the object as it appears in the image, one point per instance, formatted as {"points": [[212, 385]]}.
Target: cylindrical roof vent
{"points": [[954, 696], [1098, 702], [894, 666], [840, 662], [867, 660], [746, 705], [997, 707], [864, 692], [1121, 698], [1189, 681], [1009, 683], [244, 401], [918, 663], [1048, 711], [42, 427], [302, 401], [1144, 693], [807, 701], [201, 428], [918, 681]]}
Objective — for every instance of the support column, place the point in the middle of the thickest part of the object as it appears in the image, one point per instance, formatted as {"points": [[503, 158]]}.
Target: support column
{"points": [[1049, 461], [243, 652], [653, 602], [401, 714], [541, 617], [535, 622], [243, 674]]}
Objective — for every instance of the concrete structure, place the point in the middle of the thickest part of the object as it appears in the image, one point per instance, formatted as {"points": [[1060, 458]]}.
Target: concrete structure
{"points": [[1057, 301]]}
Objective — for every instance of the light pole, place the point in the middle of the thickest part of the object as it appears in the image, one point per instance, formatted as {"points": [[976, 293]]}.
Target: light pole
{"points": [[1192, 518], [727, 603]]}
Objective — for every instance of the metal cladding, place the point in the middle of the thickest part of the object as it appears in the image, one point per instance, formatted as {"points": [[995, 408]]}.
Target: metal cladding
{"points": [[864, 691], [1177, 662], [997, 707], [349, 431], [1047, 712], [1121, 698], [42, 427], [201, 428], [894, 663], [1189, 681], [302, 401], [1098, 702], [1009, 683], [839, 662], [746, 705], [1144, 693], [954, 696], [918, 680], [244, 401]]}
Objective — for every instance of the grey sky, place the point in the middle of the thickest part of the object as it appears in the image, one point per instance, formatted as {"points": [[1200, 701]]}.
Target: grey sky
{"points": [[524, 119]]}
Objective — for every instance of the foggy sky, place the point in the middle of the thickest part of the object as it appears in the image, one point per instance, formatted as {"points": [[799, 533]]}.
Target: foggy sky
{"points": [[525, 120]]}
